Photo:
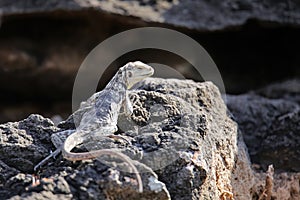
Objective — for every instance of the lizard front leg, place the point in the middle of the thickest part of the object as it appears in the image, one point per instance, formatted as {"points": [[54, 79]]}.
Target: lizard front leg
{"points": [[128, 108]]}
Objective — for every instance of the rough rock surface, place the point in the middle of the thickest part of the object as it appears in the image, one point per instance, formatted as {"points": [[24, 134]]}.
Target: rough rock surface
{"points": [[26, 142], [180, 129], [214, 155], [270, 121], [201, 15]]}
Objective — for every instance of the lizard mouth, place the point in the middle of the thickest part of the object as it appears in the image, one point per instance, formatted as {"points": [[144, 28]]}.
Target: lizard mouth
{"points": [[149, 73]]}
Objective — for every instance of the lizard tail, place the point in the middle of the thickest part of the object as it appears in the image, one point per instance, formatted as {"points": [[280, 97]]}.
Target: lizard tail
{"points": [[73, 140]]}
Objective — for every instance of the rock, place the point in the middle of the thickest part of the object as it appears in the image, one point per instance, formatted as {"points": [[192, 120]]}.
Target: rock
{"points": [[21, 145], [186, 135], [269, 121], [271, 125], [180, 129], [288, 90], [200, 15], [26, 142], [214, 154], [22, 142]]}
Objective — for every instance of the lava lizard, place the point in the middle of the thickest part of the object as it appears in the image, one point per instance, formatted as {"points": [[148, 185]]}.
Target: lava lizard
{"points": [[100, 119]]}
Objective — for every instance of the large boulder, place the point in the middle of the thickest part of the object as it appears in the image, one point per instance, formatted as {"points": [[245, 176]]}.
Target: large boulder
{"points": [[180, 129]]}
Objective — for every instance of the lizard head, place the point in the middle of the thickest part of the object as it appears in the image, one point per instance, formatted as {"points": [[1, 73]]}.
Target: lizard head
{"points": [[135, 72]]}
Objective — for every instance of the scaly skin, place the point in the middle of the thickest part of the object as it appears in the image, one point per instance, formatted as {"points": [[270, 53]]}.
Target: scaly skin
{"points": [[100, 120]]}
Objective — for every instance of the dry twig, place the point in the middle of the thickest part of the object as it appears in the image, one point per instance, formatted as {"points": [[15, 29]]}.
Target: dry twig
{"points": [[267, 192]]}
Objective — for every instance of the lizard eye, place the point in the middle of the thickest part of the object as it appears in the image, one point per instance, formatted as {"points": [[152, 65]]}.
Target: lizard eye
{"points": [[129, 74]]}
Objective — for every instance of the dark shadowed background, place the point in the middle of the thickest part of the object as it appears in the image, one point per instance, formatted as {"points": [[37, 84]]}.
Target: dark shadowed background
{"points": [[42, 44]]}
